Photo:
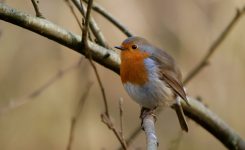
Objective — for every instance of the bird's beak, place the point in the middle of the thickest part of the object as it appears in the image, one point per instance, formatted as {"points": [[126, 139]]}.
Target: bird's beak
{"points": [[119, 47]]}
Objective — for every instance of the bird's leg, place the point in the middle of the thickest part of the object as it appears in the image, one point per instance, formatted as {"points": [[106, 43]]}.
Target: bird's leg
{"points": [[146, 111]]}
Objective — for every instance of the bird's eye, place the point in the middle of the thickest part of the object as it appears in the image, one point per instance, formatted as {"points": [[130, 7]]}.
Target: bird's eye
{"points": [[134, 46]]}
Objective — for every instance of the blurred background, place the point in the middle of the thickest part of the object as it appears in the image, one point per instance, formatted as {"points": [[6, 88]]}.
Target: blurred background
{"points": [[185, 29]]}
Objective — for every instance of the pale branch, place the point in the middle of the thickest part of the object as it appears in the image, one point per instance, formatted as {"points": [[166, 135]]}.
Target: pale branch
{"points": [[59, 35], [36, 8], [149, 128], [112, 19], [204, 61], [92, 24], [197, 112], [137, 130], [213, 124]]}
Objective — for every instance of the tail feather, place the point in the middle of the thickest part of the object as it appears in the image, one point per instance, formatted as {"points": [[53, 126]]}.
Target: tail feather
{"points": [[181, 117]]}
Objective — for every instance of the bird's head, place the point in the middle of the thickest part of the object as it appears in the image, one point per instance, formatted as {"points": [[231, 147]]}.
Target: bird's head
{"points": [[134, 44]]}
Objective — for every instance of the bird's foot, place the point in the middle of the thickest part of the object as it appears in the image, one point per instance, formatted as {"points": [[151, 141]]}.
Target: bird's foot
{"points": [[145, 112]]}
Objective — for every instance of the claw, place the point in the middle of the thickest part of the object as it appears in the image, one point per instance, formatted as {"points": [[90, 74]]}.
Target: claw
{"points": [[146, 111]]}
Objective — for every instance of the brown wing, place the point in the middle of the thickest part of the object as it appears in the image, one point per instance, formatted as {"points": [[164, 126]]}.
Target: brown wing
{"points": [[169, 71], [174, 83]]}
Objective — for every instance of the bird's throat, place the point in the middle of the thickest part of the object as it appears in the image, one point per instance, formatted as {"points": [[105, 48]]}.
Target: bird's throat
{"points": [[132, 67]]}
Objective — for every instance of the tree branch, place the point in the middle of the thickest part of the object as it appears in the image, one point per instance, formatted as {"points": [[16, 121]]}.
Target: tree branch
{"points": [[214, 46], [12, 104], [212, 123], [105, 116], [59, 35], [106, 120], [121, 117], [198, 112], [36, 8], [73, 12], [92, 24], [77, 114], [149, 128], [112, 19], [85, 47]]}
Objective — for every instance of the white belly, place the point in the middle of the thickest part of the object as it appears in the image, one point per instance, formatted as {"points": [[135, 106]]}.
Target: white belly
{"points": [[150, 95]]}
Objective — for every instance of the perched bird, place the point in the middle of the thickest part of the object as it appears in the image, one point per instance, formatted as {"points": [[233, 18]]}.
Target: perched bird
{"points": [[151, 77]]}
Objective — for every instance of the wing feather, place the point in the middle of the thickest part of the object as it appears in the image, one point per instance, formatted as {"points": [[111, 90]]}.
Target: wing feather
{"points": [[169, 72]]}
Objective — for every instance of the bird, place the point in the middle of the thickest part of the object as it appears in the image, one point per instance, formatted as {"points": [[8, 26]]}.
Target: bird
{"points": [[151, 77]]}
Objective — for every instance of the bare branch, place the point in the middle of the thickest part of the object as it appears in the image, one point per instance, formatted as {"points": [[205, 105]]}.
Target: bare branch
{"points": [[19, 102], [106, 120], [112, 19], [36, 8], [92, 24], [77, 114], [149, 128], [197, 112], [59, 35], [106, 116], [212, 123], [121, 116], [214, 47], [86, 47]]}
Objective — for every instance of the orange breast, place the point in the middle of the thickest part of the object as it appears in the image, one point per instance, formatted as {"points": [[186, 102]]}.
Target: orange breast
{"points": [[132, 67]]}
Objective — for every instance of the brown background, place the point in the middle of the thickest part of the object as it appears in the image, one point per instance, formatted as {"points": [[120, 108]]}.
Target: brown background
{"points": [[184, 28]]}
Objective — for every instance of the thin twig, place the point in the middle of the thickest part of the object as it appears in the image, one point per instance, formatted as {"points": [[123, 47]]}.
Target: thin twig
{"points": [[21, 101], [106, 120], [36, 8], [73, 12], [77, 114], [121, 116], [204, 62], [106, 116], [92, 24], [86, 47], [112, 19]]}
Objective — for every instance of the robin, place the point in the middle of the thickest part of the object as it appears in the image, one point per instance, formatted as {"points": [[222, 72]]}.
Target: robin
{"points": [[151, 77]]}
